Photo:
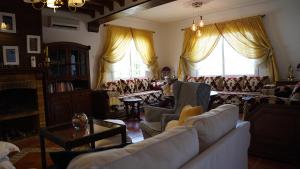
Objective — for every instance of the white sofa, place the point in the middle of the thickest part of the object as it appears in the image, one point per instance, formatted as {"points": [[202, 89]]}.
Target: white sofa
{"points": [[213, 140]]}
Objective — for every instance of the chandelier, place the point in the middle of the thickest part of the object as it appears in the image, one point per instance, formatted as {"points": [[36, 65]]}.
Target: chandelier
{"points": [[55, 4], [196, 27]]}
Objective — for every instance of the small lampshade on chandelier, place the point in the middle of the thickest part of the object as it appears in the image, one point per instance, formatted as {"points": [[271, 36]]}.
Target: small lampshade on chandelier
{"points": [[3, 26], [56, 4], [76, 3], [195, 27]]}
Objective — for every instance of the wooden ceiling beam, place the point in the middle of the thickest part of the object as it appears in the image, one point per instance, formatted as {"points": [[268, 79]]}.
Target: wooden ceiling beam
{"points": [[120, 2], [84, 10], [93, 26], [107, 3], [100, 9]]}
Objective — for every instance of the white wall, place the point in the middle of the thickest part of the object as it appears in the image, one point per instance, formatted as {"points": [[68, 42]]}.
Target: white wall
{"points": [[97, 40], [282, 22]]}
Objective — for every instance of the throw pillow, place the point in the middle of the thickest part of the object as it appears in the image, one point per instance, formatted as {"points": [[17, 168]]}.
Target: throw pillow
{"points": [[172, 124], [6, 164], [7, 148], [189, 111], [167, 90], [284, 91], [296, 93]]}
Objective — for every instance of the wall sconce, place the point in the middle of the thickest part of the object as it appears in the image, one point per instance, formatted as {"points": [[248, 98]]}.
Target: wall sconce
{"points": [[3, 26]]}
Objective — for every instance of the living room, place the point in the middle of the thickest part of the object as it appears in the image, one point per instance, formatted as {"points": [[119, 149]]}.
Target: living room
{"points": [[117, 59]]}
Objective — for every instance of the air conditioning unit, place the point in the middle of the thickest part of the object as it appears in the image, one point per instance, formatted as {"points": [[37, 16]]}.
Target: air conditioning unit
{"points": [[65, 23]]}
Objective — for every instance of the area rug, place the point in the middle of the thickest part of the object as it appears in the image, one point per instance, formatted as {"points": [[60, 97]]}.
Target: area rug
{"points": [[30, 155]]}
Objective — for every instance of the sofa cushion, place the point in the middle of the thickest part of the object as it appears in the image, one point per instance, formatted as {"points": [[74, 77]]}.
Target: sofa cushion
{"points": [[142, 84], [216, 82], [213, 125], [115, 86], [199, 79], [233, 84], [171, 149], [6, 148], [255, 83]]}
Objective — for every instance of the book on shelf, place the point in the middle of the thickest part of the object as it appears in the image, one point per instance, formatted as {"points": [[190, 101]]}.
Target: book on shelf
{"points": [[59, 87]]}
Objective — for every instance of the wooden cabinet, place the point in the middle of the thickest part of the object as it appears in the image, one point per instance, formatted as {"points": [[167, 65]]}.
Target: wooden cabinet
{"points": [[67, 82], [275, 132], [60, 109]]}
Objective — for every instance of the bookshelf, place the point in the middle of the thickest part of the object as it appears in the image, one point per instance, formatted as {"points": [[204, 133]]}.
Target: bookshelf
{"points": [[67, 81]]}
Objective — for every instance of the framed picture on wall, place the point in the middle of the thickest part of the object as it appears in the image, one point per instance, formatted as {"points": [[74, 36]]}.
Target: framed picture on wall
{"points": [[7, 22], [10, 55], [33, 44]]}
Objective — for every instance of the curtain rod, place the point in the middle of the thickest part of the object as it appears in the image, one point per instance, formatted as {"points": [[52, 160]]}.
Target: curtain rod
{"points": [[105, 25], [227, 21]]}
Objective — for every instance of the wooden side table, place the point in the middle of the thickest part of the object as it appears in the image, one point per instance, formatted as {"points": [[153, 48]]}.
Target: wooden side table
{"points": [[134, 103]]}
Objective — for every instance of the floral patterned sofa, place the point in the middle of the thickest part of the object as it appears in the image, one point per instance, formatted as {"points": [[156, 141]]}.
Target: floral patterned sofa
{"points": [[232, 90], [146, 89]]}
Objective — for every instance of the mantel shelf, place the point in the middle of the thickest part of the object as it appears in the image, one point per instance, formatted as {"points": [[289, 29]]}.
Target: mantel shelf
{"points": [[12, 116], [21, 70]]}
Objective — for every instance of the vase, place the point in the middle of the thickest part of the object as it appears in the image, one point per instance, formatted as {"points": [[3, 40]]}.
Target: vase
{"points": [[80, 121]]}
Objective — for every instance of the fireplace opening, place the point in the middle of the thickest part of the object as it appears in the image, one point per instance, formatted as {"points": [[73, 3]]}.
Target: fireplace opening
{"points": [[19, 115], [18, 100]]}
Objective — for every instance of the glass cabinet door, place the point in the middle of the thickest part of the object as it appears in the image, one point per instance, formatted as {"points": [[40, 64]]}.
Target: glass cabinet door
{"points": [[74, 62], [83, 64], [58, 60]]}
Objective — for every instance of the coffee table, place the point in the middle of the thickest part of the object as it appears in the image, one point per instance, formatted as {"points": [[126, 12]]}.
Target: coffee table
{"points": [[67, 137]]}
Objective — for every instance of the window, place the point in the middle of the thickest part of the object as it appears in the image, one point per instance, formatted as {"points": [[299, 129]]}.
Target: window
{"points": [[225, 61], [131, 66]]}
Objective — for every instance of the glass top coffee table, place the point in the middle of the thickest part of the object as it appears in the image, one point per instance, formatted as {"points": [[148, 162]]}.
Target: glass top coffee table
{"points": [[67, 137]]}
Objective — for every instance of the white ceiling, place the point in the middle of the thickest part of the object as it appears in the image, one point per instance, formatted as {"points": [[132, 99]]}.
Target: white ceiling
{"points": [[182, 9]]}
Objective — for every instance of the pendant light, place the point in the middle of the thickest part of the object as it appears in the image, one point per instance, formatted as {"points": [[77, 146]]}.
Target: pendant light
{"points": [[195, 27], [201, 23]]}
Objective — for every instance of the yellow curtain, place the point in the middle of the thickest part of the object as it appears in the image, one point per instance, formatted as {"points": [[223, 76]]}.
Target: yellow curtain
{"points": [[117, 42], [196, 49], [143, 41], [248, 37]]}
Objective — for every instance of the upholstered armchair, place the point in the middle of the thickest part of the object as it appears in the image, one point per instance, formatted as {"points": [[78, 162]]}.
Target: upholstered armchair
{"points": [[185, 93]]}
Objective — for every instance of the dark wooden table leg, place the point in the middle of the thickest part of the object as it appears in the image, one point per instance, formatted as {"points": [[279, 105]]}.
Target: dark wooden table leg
{"points": [[138, 111], [43, 152], [92, 130], [132, 109], [123, 135], [126, 109]]}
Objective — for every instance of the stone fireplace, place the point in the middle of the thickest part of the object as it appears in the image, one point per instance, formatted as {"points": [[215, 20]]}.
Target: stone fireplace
{"points": [[22, 109]]}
